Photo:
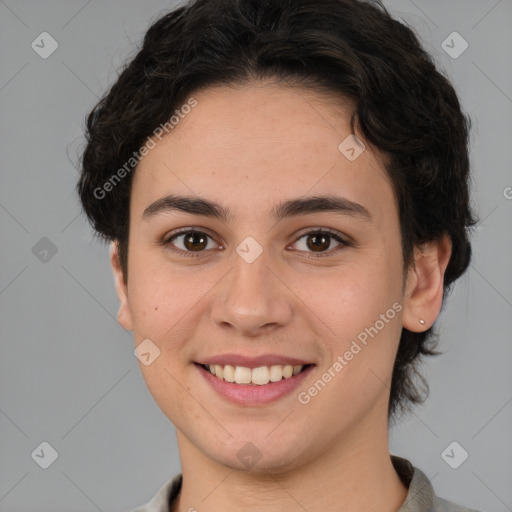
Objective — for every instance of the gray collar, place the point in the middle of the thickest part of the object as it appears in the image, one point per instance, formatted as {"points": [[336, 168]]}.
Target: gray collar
{"points": [[420, 496]]}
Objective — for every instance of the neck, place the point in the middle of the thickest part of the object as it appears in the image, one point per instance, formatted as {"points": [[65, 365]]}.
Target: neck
{"points": [[355, 473]]}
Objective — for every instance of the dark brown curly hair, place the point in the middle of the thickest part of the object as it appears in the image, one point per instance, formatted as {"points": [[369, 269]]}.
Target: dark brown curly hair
{"points": [[351, 49]]}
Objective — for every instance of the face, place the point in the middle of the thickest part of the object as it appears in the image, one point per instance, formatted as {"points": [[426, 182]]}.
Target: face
{"points": [[300, 287]]}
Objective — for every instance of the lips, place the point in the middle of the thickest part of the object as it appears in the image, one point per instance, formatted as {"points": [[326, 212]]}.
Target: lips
{"points": [[251, 393], [255, 380], [253, 362]]}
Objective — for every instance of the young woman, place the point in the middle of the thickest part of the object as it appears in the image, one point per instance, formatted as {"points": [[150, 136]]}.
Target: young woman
{"points": [[285, 186]]}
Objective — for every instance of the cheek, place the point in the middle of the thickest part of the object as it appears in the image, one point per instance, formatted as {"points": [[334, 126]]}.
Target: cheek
{"points": [[160, 304], [353, 296], [166, 302], [360, 305], [155, 293]]}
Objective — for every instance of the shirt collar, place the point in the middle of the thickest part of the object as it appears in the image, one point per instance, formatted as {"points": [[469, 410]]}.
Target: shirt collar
{"points": [[420, 494]]}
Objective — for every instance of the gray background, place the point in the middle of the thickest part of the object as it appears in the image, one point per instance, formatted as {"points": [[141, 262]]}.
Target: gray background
{"points": [[67, 371]]}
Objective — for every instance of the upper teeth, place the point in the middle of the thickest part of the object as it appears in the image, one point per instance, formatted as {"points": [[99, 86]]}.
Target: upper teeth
{"points": [[260, 376]]}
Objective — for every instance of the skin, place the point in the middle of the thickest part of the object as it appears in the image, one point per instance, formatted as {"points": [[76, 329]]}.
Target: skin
{"points": [[249, 148]]}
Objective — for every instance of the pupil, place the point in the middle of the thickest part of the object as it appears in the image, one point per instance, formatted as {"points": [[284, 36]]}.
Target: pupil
{"points": [[192, 237], [323, 244]]}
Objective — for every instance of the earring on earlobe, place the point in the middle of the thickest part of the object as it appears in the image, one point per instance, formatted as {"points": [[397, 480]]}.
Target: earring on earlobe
{"points": [[422, 322]]}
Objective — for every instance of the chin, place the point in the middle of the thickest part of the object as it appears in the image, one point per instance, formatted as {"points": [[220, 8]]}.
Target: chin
{"points": [[259, 456]]}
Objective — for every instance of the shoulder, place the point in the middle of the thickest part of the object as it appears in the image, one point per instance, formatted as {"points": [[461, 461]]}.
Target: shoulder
{"points": [[421, 496], [164, 498]]}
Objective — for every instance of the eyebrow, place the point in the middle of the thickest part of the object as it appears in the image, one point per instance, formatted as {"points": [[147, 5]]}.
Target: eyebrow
{"points": [[289, 208]]}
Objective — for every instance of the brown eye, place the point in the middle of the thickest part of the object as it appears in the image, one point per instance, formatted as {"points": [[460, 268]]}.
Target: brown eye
{"points": [[191, 242], [195, 241], [319, 241]]}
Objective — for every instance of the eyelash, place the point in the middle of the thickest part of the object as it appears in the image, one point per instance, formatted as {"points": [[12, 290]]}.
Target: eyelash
{"points": [[195, 254]]}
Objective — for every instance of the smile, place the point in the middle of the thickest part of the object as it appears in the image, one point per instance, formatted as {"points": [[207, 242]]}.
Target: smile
{"points": [[256, 385], [257, 376]]}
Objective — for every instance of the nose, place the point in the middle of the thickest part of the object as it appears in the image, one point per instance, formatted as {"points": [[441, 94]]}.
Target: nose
{"points": [[252, 299]]}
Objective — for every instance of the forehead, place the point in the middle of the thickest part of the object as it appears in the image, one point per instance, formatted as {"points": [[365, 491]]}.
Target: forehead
{"points": [[254, 145]]}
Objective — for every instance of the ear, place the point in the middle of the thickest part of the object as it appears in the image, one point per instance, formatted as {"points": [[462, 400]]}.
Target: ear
{"points": [[423, 295], [124, 315]]}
